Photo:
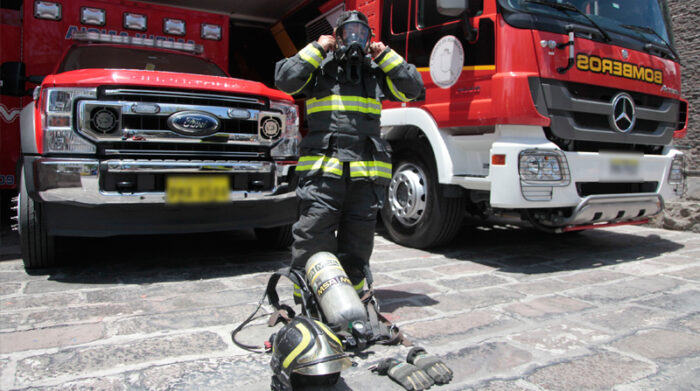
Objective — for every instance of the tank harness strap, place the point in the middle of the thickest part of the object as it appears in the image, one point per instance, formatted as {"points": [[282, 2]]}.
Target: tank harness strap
{"points": [[284, 312], [384, 332]]}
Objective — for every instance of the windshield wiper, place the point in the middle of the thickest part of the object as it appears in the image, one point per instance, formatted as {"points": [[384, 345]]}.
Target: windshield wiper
{"points": [[648, 30], [571, 7]]}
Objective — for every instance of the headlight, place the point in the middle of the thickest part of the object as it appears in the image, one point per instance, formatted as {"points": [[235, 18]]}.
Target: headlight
{"points": [[57, 120], [288, 144], [542, 166], [675, 176]]}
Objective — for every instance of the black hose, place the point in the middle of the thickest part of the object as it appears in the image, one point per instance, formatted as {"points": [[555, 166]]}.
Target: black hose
{"points": [[250, 348]]}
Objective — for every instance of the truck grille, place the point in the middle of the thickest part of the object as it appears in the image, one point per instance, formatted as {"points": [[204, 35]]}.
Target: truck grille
{"points": [[582, 117], [167, 123]]}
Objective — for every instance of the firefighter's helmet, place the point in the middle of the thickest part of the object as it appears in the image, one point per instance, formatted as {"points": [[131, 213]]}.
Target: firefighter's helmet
{"points": [[305, 351]]}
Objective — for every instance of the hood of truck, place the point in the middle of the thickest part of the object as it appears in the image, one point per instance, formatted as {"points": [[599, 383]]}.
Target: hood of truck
{"points": [[607, 65], [155, 79]]}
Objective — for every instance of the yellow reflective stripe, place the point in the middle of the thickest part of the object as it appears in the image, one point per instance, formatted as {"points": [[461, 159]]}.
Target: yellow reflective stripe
{"points": [[329, 332], [398, 94], [390, 61], [344, 103], [308, 163], [297, 290], [311, 55], [372, 169], [302, 87], [305, 339], [359, 285]]}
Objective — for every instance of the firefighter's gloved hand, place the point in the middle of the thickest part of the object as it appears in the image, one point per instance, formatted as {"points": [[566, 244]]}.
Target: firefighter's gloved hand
{"points": [[431, 365], [409, 376]]}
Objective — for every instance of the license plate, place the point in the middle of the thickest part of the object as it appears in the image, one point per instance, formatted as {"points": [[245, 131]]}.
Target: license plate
{"points": [[624, 167], [196, 189]]}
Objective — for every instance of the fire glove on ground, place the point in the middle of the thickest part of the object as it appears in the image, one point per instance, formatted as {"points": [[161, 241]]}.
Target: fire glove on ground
{"points": [[431, 365], [408, 375]]}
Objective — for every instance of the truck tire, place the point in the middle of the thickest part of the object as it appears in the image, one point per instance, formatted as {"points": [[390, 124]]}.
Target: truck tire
{"points": [[38, 247], [415, 213], [277, 238]]}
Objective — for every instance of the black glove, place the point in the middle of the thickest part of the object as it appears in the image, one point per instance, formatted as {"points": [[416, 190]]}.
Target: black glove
{"points": [[409, 376], [431, 365]]}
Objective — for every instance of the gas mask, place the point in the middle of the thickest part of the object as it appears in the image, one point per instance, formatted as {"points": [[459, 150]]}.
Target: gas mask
{"points": [[352, 37]]}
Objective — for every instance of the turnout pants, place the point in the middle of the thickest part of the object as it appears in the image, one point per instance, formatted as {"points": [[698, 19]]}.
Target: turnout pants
{"points": [[338, 215]]}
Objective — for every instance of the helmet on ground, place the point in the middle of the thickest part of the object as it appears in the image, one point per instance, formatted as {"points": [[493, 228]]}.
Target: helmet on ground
{"points": [[305, 351]]}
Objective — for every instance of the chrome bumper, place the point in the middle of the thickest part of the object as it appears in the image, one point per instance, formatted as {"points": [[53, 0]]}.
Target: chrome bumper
{"points": [[615, 208], [76, 181]]}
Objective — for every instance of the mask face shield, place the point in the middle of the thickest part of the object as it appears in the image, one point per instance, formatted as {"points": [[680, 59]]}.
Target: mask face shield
{"points": [[354, 33]]}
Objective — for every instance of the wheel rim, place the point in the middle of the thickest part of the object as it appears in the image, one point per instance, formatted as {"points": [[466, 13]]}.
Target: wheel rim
{"points": [[408, 194]]}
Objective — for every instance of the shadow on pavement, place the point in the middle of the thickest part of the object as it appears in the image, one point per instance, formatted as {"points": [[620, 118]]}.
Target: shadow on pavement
{"points": [[525, 250], [161, 258]]}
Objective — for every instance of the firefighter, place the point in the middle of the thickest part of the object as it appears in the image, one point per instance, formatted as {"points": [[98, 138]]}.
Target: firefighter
{"points": [[344, 166]]}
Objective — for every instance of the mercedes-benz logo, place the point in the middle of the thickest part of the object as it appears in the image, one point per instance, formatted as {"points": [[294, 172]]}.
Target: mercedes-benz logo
{"points": [[623, 113]]}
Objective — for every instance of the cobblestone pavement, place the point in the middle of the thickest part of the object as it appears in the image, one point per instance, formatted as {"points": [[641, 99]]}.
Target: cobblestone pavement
{"points": [[507, 308]]}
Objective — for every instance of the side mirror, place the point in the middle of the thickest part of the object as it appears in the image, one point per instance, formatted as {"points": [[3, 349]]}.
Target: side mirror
{"points": [[451, 7], [459, 7], [13, 75]]}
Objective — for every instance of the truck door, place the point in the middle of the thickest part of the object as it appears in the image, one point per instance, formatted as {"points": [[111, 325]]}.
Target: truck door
{"points": [[10, 101], [454, 105]]}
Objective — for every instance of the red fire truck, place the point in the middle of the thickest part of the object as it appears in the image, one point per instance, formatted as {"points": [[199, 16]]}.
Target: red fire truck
{"points": [[559, 112], [135, 128]]}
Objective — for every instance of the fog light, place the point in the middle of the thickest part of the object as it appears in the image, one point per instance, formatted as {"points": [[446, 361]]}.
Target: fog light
{"points": [[541, 166], [675, 176]]}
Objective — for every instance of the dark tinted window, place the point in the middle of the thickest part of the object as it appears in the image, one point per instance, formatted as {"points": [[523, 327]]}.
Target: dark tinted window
{"points": [[113, 57], [399, 16]]}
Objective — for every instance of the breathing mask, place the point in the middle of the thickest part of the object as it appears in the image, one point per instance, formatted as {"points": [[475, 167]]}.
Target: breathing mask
{"points": [[352, 36]]}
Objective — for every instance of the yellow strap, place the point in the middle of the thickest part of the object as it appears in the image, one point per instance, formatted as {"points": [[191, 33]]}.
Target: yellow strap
{"points": [[305, 339], [398, 94]]}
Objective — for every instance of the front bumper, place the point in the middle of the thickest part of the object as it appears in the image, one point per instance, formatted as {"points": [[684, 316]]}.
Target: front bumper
{"points": [[75, 202]]}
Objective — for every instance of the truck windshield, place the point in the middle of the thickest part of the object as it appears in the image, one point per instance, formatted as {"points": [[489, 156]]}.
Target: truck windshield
{"points": [[116, 57], [610, 15]]}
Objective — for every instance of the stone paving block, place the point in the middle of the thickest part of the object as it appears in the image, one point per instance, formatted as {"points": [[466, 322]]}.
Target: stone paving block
{"points": [[83, 314], [659, 344], [11, 322], [18, 275], [10, 288], [600, 371], [641, 268], [676, 259], [682, 376], [49, 286], [505, 385], [414, 263], [591, 277], [50, 337], [481, 298], [547, 306], [560, 339], [473, 282], [461, 326], [403, 311], [625, 289], [683, 302], [692, 322], [486, 360], [158, 291], [691, 273], [82, 361], [182, 320], [405, 291], [111, 383], [55, 300], [412, 275], [464, 267], [542, 286], [400, 254], [627, 318]]}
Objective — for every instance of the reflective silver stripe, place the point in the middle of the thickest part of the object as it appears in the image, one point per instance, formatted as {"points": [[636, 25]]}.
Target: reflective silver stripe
{"points": [[311, 55], [370, 169], [390, 61], [344, 103]]}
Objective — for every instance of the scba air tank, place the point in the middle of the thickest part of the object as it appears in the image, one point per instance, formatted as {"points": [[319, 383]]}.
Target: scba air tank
{"points": [[338, 300]]}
